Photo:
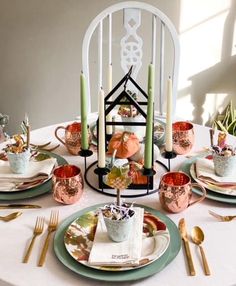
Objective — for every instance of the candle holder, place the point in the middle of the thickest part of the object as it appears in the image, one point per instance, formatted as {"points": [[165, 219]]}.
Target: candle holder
{"points": [[149, 173], [135, 189], [101, 172], [169, 155], [85, 153]]}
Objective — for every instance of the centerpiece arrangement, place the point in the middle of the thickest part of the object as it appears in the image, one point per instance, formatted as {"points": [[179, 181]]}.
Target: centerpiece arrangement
{"points": [[140, 154]]}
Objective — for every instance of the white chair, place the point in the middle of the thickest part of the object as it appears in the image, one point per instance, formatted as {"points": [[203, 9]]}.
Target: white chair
{"points": [[114, 54]]}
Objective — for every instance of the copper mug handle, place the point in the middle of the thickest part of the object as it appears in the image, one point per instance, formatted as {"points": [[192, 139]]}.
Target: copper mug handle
{"points": [[203, 194], [56, 130]]}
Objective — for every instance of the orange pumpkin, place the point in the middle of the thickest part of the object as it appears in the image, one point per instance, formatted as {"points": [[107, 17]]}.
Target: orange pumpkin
{"points": [[136, 173], [126, 144]]}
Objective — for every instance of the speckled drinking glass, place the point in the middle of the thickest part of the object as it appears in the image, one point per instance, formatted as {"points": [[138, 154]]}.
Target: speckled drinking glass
{"points": [[224, 166], [118, 230], [19, 162]]}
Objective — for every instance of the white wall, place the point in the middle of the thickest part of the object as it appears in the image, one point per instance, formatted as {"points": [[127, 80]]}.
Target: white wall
{"points": [[40, 56]]}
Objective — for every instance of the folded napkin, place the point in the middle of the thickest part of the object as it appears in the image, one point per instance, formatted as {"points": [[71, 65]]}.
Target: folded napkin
{"points": [[205, 171], [108, 253], [37, 170]]}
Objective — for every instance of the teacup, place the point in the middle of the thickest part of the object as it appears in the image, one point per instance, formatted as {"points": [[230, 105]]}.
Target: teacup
{"points": [[72, 137], [183, 137], [67, 184], [175, 192]]}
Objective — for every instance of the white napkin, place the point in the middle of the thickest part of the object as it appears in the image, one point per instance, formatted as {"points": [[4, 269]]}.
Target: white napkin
{"points": [[205, 171], [108, 253], [37, 170]]}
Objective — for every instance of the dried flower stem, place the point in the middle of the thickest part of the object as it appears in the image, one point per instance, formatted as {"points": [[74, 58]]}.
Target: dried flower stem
{"points": [[118, 197]]}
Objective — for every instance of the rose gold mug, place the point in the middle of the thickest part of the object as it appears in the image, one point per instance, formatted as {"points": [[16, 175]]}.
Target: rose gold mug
{"points": [[72, 137], [67, 184], [175, 192], [183, 137]]}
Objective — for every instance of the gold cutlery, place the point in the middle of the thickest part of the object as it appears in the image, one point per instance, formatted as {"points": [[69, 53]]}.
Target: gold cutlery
{"points": [[19, 206], [184, 236], [38, 229], [222, 217], [51, 228], [10, 216], [42, 146], [198, 237]]}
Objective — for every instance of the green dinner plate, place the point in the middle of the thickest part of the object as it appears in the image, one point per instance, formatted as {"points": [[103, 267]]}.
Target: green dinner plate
{"points": [[185, 167], [36, 191], [155, 267]]}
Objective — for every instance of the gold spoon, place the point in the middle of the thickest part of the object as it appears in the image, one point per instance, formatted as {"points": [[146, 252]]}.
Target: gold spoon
{"points": [[10, 216], [198, 237]]}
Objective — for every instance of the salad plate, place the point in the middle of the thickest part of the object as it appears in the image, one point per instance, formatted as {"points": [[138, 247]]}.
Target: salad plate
{"points": [[222, 190]]}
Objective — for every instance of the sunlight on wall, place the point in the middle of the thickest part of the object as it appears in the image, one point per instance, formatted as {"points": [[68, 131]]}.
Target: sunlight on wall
{"points": [[201, 31], [234, 41], [185, 108], [202, 24], [212, 102]]}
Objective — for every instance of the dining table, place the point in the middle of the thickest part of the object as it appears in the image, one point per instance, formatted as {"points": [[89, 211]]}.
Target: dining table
{"points": [[219, 242]]}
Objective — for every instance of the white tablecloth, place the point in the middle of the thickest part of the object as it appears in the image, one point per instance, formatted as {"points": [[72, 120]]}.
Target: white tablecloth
{"points": [[219, 244]]}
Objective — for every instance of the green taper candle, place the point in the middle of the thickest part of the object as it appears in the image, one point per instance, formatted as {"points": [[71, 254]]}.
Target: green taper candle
{"points": [[149, 120], [149, 132], [151, 75], [83, 103]]}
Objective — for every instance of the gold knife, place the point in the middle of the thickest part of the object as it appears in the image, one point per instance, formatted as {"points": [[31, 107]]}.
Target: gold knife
{"points": [[184, 236], [19, 206]]}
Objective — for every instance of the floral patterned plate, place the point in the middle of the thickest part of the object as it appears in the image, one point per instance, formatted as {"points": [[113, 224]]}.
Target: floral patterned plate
{"points": [[79, 237]]}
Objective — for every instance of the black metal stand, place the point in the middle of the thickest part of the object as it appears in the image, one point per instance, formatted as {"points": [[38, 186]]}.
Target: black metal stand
{"points": [[85, 153], [149, 173], [169, 155], [124, 98], [135, 191], [101, 172]]}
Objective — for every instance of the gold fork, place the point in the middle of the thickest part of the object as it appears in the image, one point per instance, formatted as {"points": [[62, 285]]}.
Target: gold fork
{"points": [[222, 217], [38, 229], [51, 227]]}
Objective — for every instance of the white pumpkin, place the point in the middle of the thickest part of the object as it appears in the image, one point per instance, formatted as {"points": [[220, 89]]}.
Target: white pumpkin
{"points": [[139, 155]]}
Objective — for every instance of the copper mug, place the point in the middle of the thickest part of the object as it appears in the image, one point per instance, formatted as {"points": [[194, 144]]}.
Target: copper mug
{"points": [[183, 137], [67, 184], [175, 192], [72, 137]]}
